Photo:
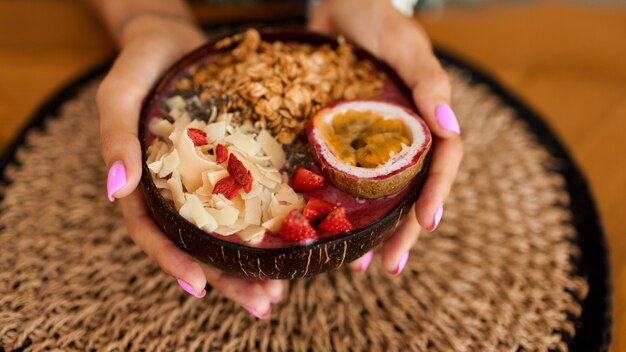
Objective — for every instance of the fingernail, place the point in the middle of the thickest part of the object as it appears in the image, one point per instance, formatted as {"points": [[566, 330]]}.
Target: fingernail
{"points": [[116, 179], [187, 287], [446, 118], [255, 313], [401, 264], [367, 258], [436, 218]]}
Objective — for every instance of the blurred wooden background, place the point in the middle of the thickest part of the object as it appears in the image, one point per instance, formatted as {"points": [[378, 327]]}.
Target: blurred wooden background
{"points": [[567, 60]]}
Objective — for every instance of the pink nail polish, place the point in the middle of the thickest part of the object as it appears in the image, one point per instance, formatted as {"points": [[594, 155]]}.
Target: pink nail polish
{"points": [[401, 264], [116, 179], [446, 118], [255, 313], [187, 287], [367, 258], [436, 218]]}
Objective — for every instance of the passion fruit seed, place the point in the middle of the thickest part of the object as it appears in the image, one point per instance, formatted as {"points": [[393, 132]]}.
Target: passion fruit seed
{"points": [[379, 148]]}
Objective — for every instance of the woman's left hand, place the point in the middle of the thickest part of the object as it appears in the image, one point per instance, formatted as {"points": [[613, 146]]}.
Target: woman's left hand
{"points": [[403, 44]]}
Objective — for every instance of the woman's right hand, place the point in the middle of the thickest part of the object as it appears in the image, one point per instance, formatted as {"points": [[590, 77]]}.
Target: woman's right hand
{"points": [[150, 44]]}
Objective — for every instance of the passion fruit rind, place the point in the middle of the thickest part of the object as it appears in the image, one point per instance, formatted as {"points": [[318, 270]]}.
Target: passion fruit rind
{"points": [[370, 188], [376, 186]]}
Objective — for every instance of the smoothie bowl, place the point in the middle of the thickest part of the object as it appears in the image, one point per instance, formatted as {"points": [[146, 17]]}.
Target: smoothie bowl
{"points": [[281, 154]]}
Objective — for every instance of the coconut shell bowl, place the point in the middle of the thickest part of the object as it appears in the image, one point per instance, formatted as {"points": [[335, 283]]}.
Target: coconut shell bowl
{"points": [[373, 220]]}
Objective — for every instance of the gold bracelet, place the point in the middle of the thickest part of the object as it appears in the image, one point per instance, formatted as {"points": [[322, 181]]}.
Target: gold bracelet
{"points": [[166, 15]]}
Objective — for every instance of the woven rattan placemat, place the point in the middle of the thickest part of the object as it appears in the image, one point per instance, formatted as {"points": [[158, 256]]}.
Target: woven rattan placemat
{"points": [[518, 262]]}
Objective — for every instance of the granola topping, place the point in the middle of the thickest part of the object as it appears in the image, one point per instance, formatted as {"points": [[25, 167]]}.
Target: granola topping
{"points": [[277, 86]]}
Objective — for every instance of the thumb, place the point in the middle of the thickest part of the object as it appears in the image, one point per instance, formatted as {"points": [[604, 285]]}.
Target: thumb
{"points": [[119, 145], [119, 100]]}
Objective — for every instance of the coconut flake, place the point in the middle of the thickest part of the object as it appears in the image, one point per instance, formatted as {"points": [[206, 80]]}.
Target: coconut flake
{"points": [[257, 159], [197, 124], [273, 224], [279, 209], [266, 199], [271, 174], [160, 183], [218, 201], [287, 194], [176, 102], [215, 131], [253, 211], [161, 127], [225, 216], [192, 164], [169, 163], [202, 191], [176, 187], [272, 148], [155, 166], [215, 175], [157, 150], [204, 198], [195, 213], [252, 233], [254, 192], [229, 230], [244, 142]]}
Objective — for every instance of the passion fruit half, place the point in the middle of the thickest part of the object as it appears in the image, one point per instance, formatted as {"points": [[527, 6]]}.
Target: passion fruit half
{"points": [[368, 148]]}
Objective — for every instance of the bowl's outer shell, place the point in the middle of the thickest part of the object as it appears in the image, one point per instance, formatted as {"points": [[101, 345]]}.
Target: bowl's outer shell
{"points": [[274, 263], [290, 262]]}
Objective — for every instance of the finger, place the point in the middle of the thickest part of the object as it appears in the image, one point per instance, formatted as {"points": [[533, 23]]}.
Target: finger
{"points": [[360, 265], [446, 158], [249, 293], [431, 93], [320, 19], [159, 248], [119, 100], [274, 289], [396, 250], [420, 69]]}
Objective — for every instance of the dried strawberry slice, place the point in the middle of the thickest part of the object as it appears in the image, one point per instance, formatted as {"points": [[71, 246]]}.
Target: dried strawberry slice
{"points": [[221, 154], [198, 137], [227, 186]]}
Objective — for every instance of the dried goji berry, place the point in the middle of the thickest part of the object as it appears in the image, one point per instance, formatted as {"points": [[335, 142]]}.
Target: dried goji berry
{"points": [[221, 154], [247, 187], [227, 186], [237, 170], [198, 137]]}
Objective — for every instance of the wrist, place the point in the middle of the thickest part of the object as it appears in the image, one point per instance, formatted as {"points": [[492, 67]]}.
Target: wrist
{"points": [[129, 19], [151, 26]]}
